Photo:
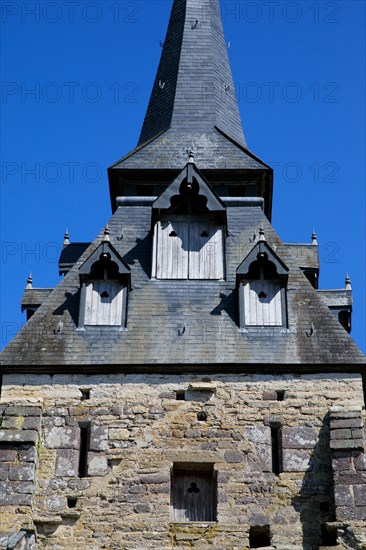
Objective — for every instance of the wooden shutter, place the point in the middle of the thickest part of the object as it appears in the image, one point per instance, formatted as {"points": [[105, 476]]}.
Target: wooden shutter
{"points": [[103, 304], [265, 310], [188, 250], [205, 251], [193, 496], [171, 250]]}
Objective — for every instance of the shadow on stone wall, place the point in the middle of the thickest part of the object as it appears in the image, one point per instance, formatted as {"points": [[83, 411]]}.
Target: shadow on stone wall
{"points": [[315, 500]]}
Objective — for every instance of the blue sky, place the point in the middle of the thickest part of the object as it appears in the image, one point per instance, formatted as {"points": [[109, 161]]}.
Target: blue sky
{"points": [[76, 79]]}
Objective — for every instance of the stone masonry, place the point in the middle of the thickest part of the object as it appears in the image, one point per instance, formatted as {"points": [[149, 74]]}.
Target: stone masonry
{"points": [[139, 430]]}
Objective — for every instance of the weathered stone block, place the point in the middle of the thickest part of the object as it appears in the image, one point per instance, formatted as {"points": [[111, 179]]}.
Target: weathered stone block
{"points": [[269, 396], [345, 414], [26, 487], [56, 503], [142, 508], [351, 444], [61, 411], [31, 423], [21, 472], [22, 410], [232, 457], [155, 478], [299, 437], [352, 513], [9, 500], [192, 434], [62, 437], [341, 461], [296, 460], [97, 464], [4, 471], [343, 495], [25, 499], [67, 463], [346, 423], [340, 434], [98, 438], [28, 454], [13, 423], [360, 495], [349, 478], [8, 454], [19, 436], [265, 457], [357, 433], [360, 461], [120, 434], [258, 434]]}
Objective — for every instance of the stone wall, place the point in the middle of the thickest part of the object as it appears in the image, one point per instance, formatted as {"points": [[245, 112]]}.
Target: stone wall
{"points": [[143, 425], [19, 440], [349, 471]]}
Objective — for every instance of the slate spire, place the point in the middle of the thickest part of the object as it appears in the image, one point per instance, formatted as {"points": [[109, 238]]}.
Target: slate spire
{"points": [[193, 89]]}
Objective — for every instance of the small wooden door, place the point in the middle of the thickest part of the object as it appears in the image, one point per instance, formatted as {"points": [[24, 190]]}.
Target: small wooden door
{"points": [[188, 250], [205, 251], [263, 303], [103, 303], [171, 250], [193, 496]]}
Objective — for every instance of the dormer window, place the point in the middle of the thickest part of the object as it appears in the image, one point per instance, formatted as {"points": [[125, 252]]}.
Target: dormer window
{"points": [[189, 223], [262, 280], [187, 247], [105, 282]]}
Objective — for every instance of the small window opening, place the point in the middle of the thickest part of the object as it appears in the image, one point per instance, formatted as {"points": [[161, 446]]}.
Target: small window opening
{"points": [[259, 536], [280, 395], [204, 234], [104, 294], [30, 313], [85, 394], [71, 502], [173, 234], [201, 416], [142, 190], [84, 448], [328, 538], [262, 294], [180, 395], [324, 507], [276, 440], [345, 319]]}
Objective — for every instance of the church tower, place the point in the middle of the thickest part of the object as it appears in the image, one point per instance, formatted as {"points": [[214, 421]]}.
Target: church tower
{"points": [[186, 384]]}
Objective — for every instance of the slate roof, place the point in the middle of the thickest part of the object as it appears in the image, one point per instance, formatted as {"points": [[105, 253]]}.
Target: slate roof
{"points": [[180, 118], [212, 150], [337, 298], [193, 89], [307, 255], [159, 310], [193, 104], [33, 297], [69, 255]]}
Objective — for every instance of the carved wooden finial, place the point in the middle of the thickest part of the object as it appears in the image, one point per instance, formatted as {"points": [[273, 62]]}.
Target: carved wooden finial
{"points": [[29, 281], [191, 157], [314, 240], [106, 233], [66, 238], [261, 234], [348, 282]]}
